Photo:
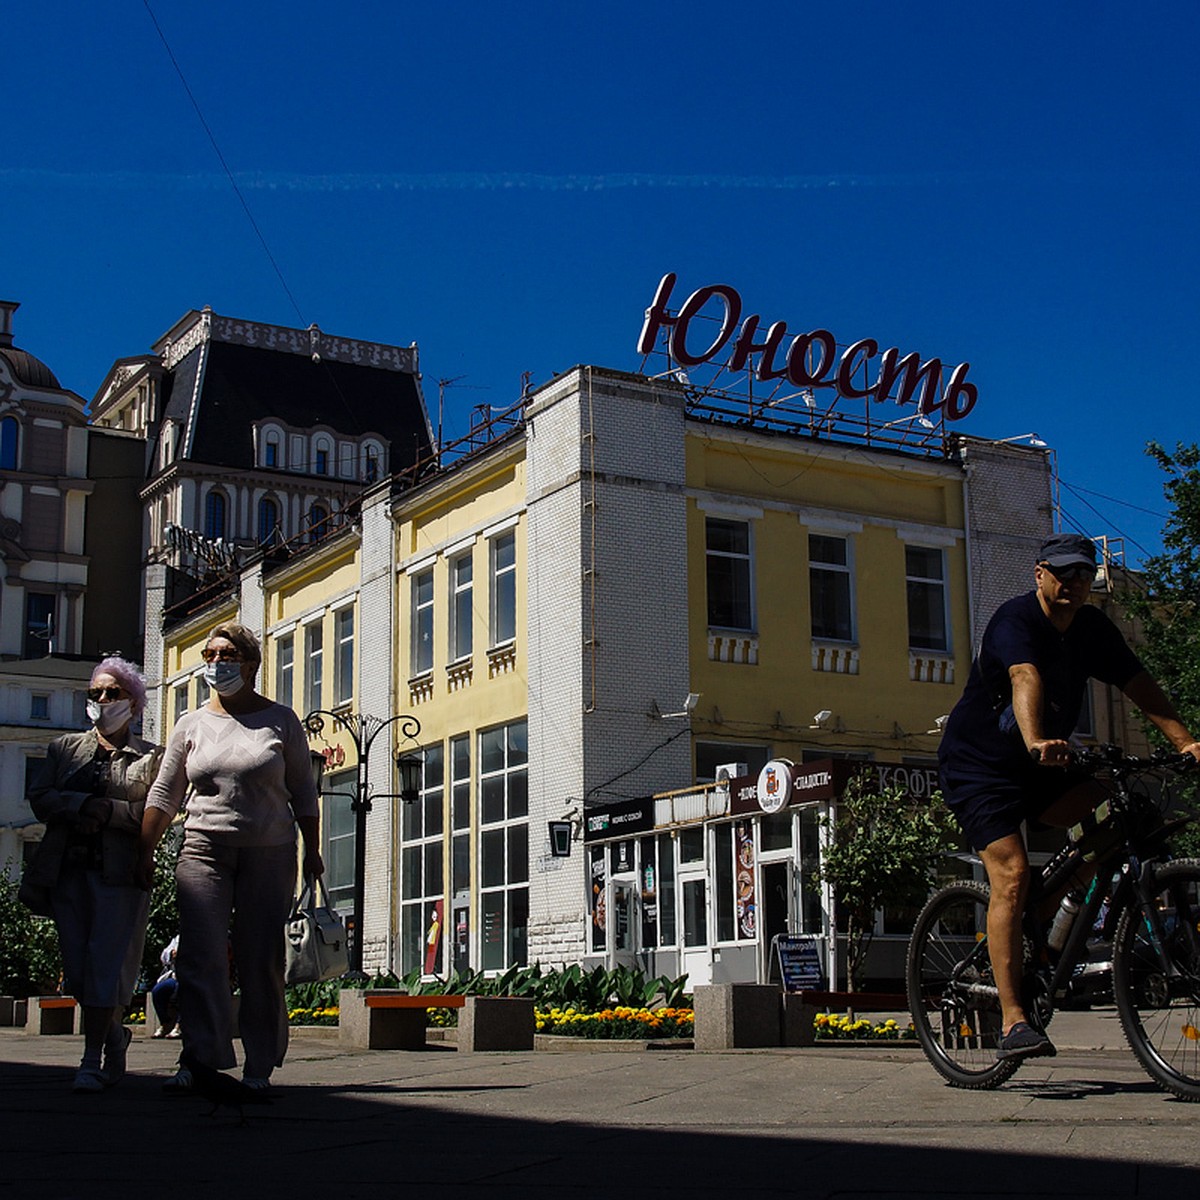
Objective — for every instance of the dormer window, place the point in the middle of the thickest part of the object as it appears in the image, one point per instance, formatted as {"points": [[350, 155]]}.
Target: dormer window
{"points": [[371, 465], [322, 459], [271, 452]]}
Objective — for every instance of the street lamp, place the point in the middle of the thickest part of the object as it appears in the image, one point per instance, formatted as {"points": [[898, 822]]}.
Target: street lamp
{"points": [[363, 729]]}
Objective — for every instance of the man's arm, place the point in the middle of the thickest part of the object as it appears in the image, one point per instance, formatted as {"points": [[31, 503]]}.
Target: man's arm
{"points": [[1156, 704], [1027, 701]]}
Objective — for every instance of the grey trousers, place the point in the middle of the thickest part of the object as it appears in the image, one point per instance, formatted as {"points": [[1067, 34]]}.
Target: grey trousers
{"points": [[254, 886]]}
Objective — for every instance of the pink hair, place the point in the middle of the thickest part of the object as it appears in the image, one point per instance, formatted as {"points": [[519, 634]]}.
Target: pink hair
{"points": [[128, 676]]}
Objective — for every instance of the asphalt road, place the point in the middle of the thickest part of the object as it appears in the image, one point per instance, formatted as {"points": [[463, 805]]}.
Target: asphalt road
{"points": [[824, 1122]]}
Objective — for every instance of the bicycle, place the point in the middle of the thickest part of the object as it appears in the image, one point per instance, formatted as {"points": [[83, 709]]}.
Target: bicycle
{"points": [[1144, 905]]}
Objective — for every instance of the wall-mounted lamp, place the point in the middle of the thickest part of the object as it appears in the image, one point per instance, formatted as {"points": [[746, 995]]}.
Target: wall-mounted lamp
{"points": [[939, 724], [826, 720], [1031, 438], [689, 706], [920, 418]]}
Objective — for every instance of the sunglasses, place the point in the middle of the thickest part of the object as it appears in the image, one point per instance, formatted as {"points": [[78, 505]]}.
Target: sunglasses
{"points": [[210, 656], [104, 693], [1071, 573]]}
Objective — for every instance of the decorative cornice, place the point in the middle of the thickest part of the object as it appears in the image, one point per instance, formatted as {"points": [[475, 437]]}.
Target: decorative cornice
{"points": [[310, 342]]}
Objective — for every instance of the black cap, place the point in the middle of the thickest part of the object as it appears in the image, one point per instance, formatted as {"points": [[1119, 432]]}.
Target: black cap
{"points": [[1068, 550]]}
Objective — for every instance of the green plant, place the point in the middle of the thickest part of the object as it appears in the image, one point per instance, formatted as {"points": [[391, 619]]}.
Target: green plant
{"points": [[885, 848], [30, 962], [163, 923]]}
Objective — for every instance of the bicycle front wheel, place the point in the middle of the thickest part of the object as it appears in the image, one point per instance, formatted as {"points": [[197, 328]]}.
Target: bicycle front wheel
{"points": [[951, 992], [1158, 995]]}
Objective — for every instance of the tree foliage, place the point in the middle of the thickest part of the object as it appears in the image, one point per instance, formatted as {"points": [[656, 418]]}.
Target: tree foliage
{"points": [[30, 964], [1167, 607], [886, 847]]}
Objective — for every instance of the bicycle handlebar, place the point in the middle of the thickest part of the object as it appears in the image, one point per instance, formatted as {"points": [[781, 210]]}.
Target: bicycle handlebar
{"points": [[1099, 758]]}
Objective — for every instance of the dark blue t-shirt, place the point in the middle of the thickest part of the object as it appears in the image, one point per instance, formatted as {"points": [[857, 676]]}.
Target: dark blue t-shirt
{"points": [[981, 735]]}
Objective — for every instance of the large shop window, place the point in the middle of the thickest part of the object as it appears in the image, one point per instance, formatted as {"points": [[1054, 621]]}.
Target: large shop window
{"points": [[422, 622], [504, 846], [831, 588], [733, 882], [504, 588], [337, 823], [460, 847], [656, 879], [729, 574], [925, 580], [422, 825]]}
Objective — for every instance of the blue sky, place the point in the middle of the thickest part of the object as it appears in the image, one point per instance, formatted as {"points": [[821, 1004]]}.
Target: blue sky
{"points": [[1013, 185]]}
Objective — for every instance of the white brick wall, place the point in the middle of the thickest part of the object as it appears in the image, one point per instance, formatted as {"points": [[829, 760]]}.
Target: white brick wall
{"points": [[596, 665]]}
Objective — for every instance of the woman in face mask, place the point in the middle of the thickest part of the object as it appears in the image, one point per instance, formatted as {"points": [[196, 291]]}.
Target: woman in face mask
{"points": [[246, 762], [90, 794]]}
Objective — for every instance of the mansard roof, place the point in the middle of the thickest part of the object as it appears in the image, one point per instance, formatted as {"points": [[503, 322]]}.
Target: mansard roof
{"points": [[224, 376]]}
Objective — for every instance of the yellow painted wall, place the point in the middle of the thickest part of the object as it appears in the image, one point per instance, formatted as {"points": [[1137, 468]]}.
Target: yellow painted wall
{"points": [[774, 701]]}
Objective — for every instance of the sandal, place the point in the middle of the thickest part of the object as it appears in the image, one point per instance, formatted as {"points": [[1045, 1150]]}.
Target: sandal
{"points": [[1023, 1041]]}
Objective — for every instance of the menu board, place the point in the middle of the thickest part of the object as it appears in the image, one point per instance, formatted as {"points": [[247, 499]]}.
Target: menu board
{"points": [[796, 962]]}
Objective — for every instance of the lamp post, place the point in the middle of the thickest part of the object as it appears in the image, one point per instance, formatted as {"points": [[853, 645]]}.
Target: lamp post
{"points": [[363, 729]]}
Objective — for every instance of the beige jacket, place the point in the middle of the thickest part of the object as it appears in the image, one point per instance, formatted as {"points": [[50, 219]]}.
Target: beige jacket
{"points": [[132, 772]]}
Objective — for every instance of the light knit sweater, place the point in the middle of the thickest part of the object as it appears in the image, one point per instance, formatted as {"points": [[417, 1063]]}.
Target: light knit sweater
{"points": [[250, 775]]}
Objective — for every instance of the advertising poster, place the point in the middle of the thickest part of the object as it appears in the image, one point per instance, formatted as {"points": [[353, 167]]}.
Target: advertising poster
{"points": [[747, 901]]}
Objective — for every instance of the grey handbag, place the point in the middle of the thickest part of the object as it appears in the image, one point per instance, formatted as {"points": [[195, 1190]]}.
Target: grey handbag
{"points": [[315, 936]]}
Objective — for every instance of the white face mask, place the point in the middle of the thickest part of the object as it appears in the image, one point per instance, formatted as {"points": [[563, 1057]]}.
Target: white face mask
{"points": [[224, 678], [108, 718]]}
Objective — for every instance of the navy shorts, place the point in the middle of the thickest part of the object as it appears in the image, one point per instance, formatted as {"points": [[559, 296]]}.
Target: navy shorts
{"points": [[989, 807]]}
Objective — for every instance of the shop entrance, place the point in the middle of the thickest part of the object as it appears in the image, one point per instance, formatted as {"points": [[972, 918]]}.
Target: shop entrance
{"points": [[622, 908], [776, 899]]}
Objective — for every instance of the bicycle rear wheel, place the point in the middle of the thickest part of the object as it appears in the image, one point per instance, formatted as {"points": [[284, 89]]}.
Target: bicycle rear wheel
{"points": [[1159, 1004], [951, 992]]}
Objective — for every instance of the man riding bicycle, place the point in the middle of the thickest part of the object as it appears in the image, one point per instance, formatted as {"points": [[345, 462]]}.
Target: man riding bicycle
{"points": [[1005, 754]]}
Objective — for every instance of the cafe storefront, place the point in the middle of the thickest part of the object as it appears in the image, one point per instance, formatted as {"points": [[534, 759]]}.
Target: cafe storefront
{"points": [[701, 881]]}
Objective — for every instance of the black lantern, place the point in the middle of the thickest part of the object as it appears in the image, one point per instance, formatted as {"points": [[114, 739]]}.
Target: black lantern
{"points": [[410, 768], [560, 839]]}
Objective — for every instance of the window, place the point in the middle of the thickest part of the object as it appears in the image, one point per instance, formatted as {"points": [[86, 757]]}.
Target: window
{"points": [[728, 574], [422, 622], [460, 845], [371, 465], [422, 825], [733, 881], [214, 515], [318, 523], [39, 625], [337, 824], [322, 458], [181, 699], [33, 768], [268, 522], [656, 880], [314, 639], [460, 608], [271, 452], [504, 588], [39, 707], [504, 846], [9, 431], [203, 691], [830, 588], [285, 652], [343, 664], [925, 579]]}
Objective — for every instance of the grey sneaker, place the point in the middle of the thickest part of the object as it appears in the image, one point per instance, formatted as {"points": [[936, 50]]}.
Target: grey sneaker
{"points": [[88, 1079]]}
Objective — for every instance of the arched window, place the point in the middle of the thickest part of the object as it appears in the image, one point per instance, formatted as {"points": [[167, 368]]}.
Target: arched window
{"points": [[321, 457], [214, 515], [8, 443], [371, 465], [269, 533], [271, 451], [318, 523]]}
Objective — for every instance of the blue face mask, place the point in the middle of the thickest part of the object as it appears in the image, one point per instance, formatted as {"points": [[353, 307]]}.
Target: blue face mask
{"points": [[224, 678]]}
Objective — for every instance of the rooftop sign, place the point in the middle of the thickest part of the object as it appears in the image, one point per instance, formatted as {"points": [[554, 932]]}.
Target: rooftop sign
{"points": [[805, 360]]}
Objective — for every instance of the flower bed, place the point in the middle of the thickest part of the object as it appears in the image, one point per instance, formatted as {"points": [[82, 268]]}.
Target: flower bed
{"points": [[835, 1027], [312, 1016], [618, 1022]]}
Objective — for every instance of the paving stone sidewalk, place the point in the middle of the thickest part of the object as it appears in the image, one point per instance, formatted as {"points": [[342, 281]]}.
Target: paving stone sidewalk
{"points": [[824, 1122]]}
